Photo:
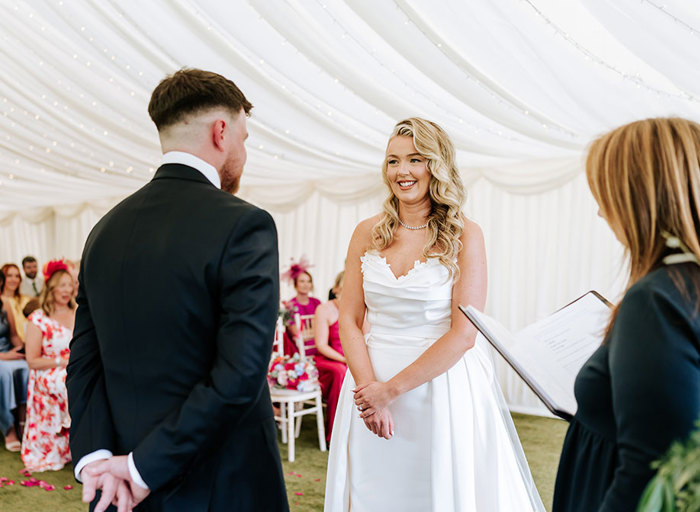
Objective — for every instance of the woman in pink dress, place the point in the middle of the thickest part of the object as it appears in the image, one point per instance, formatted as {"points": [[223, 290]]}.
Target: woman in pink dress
{"points": [[330, 360], [302, 304], [50, 329]]}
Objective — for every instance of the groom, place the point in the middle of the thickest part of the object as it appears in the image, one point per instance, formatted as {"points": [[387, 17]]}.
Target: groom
{"points": [[178, 300]]}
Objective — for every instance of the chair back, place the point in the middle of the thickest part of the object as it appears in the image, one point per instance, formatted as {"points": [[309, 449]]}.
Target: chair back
{"points": [[305, 330], [278, 343]]}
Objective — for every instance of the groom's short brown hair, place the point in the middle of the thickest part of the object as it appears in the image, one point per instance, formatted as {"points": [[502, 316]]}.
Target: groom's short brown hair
{"points": [[191, 90]]}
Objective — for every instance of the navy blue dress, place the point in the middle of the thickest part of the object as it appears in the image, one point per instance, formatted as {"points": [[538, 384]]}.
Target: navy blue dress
{"points": [[636, 394]]}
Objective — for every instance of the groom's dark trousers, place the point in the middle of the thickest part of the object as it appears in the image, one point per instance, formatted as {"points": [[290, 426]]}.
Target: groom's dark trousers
{"points": [[179, 294]]}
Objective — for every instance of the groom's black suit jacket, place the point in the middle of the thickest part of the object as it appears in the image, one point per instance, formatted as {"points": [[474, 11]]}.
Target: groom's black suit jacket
{"points": [[179, 294]]}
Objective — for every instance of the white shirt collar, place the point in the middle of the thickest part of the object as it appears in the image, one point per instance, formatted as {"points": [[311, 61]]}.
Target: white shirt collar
{"points": [[180, 157]]}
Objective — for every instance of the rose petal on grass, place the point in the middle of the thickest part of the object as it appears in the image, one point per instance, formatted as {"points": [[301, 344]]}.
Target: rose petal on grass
{"points": [[317, 479], [68, 487], [299, 493], [50, 488]]}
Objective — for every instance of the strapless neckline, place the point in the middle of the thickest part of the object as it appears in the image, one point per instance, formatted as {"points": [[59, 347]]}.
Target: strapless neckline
{"points": [[416, 265]]}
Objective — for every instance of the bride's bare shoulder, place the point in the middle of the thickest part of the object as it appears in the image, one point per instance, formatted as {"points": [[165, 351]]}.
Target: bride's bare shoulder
{"points": [[362, 236], [364, 228]]}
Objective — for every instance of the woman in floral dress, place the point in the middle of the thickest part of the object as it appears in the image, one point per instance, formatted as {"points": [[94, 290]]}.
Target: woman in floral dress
{"points": [[50, 328]]}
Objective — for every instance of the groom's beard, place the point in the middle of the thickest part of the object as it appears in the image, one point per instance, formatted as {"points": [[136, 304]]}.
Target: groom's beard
{"points": [[229, 184], [231, 173], [230, 177]]}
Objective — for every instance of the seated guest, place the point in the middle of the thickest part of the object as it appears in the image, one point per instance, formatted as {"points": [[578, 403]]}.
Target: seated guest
{"points": [[32, 283], [332, 293], [13, 378], [50, 329], [301, 304], [330, 360], [640, 390], [14, 298]]}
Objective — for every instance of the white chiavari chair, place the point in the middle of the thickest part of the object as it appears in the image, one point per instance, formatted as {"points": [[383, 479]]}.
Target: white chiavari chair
{"points": [[294, 404]]}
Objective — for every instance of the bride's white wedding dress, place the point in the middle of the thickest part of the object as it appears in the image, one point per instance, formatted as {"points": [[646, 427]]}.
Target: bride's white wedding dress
{"points": [[454, 446]]}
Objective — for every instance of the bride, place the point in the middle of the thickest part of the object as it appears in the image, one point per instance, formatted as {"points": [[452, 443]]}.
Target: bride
{"points": [[421, 422]]}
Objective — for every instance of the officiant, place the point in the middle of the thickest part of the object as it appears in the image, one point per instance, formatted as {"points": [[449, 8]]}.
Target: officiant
{"points": [[640, 390]]}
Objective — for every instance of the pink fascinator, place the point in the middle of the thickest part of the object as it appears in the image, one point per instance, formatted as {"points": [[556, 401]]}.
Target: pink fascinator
{"points": [[53, 266], [295, 269]]}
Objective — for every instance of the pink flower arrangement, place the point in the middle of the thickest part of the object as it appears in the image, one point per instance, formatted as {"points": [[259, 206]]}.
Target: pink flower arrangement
{"points": [[287, 312], [292, 372]]}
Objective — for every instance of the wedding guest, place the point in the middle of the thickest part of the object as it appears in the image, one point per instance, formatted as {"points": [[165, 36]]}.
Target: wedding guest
{"points": [[45, 442], [640, 390], [32, 283], [14, 297], [332, 292], [302, 304], [330, 360], [13, 378]]}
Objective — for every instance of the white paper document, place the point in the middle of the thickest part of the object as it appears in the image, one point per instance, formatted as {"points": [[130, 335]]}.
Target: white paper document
{"points": [[548, 354]]}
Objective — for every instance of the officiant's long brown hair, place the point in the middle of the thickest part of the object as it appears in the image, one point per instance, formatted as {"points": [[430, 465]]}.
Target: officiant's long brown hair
{"points": [[447, 194], [645, 177]]}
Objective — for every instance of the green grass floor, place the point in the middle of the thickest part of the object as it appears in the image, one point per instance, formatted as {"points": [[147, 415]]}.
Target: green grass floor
{"points": [[541, 438]]}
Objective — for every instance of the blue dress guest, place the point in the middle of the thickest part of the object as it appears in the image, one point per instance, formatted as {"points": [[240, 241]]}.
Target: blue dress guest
{"points": [[14, 374], [640, 390]]}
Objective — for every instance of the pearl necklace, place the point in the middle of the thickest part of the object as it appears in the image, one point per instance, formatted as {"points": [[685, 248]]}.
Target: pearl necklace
{"points": [[413, 227]]}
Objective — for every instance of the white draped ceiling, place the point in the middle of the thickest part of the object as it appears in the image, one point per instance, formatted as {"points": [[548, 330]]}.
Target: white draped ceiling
{"points": [[522, 86]]}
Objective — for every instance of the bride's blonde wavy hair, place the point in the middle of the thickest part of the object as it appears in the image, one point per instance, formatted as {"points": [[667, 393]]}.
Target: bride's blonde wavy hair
{"points": [[447, 194]]}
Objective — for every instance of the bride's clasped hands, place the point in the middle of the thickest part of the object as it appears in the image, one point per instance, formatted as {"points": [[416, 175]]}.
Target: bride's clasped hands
{"points": [[372, 400]]}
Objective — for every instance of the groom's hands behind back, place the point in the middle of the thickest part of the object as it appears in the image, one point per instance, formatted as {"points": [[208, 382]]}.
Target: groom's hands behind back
{"points": [[112, 477]]}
